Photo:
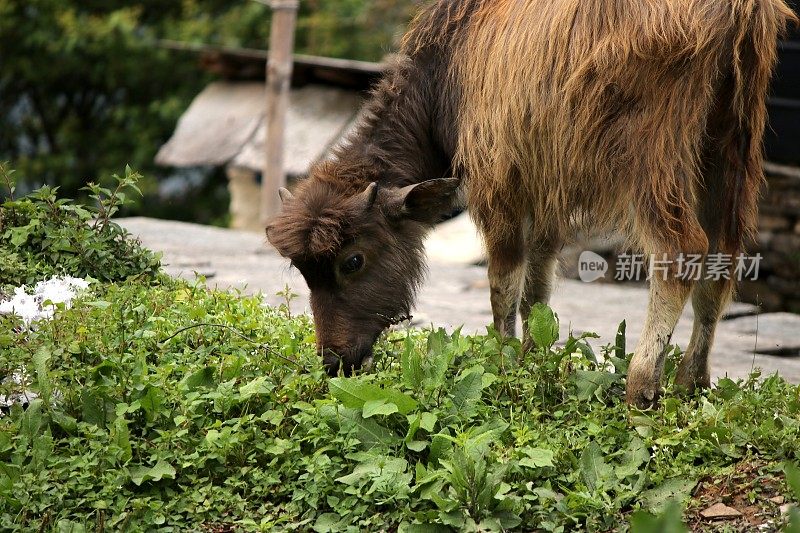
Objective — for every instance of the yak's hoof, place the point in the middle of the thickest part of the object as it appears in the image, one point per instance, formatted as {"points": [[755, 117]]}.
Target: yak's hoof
{"points": [[646, 398]]}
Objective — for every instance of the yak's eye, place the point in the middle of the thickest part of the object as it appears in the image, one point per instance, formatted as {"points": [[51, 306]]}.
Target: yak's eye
{"points": [[352, 264]]}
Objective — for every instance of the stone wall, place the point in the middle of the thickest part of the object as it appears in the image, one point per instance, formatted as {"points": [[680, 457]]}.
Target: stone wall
{"points": [[778, 286]]}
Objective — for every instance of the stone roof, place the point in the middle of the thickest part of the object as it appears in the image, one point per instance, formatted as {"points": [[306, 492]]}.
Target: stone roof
{"points": [[225, 125]]}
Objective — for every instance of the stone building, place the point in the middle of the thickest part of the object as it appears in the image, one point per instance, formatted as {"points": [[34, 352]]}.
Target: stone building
{"points": [[225, 124]]}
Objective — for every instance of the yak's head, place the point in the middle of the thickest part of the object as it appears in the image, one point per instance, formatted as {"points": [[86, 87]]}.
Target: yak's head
{"points": [[361, 252]]}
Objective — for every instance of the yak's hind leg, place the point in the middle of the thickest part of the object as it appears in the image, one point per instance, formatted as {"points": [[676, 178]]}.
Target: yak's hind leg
{"points": [[668, 232], [710, 296], [709, 299]]}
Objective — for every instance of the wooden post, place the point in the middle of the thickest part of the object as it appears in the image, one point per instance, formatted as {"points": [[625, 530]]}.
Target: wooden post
{"points": [[279, 75]]}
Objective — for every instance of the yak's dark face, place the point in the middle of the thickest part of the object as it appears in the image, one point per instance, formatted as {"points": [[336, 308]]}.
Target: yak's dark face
{"points": [[361, 254]]}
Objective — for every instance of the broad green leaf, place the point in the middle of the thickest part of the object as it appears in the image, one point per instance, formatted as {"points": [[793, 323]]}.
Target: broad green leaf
{"points": [[95, 408], [354, 393], [20, 235], [32, 420], [203, 378], [373, 467], [793, 478], [327, 523], [417, 445], [9, 474], [467, 389], [367, 430], [669, 521], [634, 457], [260, 385], [590, 383], [428, 421], [595, 472], [536, 457], [68, 526], [440, 356], [411, 364], [120, 437], [212, 437], [482, 436], [794, 520], [161, 470], [100, 304], [40, 359], [378, 407], [413, 426], [151, 401], [656, 499], [441, 444], [543, 326]]}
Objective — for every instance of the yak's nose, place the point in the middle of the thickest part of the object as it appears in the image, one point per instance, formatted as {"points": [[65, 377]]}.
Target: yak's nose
{"points": [[348, 361]]}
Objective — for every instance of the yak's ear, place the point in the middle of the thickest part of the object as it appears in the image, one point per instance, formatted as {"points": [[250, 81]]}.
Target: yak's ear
{"points": [[424, 202]]}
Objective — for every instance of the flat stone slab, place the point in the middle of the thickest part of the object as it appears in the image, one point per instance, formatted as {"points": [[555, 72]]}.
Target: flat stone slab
{"points": [[457, 295], [720, 510]]}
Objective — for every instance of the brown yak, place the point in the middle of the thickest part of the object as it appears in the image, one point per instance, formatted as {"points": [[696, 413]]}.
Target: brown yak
{"points": [[540, 115]]}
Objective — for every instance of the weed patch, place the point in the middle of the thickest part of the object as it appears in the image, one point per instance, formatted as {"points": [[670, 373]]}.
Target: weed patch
{"points": [[165, 405]]}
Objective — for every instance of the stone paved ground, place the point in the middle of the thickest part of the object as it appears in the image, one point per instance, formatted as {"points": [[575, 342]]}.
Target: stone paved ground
{"points": [[457, 294]]}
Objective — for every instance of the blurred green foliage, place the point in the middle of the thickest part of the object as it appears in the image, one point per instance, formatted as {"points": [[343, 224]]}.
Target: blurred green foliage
{"points": [[85, 88]]}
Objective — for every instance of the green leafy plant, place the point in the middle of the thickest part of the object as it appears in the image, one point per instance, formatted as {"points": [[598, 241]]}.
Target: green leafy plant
{"points": [[42, 235], [162, 404]]}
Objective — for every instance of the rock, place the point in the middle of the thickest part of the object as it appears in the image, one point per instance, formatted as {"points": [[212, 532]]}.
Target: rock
{"points": [[785, 508], [784, 286], [720, 510], [765, 239], [773, 223], [777, 500], [758, 291], [785, 243]]}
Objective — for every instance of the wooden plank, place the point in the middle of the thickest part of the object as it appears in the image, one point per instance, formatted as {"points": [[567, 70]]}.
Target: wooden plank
{"points": [[279, 75], [317, 117]]}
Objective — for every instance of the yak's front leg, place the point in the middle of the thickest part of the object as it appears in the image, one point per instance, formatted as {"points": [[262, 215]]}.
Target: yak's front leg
{"points": [[507, 270], [541, 272]]}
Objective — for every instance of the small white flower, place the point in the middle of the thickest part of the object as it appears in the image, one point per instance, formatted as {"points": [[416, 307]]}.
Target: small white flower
{"points": [[30, 308]]}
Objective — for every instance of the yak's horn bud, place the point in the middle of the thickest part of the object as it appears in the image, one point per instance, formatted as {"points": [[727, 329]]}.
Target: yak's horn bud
{"points": [[285, 195], [368, 196]]}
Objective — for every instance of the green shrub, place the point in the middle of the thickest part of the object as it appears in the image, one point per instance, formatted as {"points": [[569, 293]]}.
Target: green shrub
{"points": [[168, 406], [42, 235]]}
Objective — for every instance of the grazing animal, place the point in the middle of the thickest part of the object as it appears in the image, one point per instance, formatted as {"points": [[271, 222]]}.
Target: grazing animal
{"points": [[641, 115]]}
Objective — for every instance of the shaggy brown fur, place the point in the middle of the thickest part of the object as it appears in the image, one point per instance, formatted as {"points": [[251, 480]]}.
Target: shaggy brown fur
{"points": [[618, 95], [645, 115]]}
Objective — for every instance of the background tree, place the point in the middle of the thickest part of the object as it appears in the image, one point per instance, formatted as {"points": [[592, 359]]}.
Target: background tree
{"points": [[85, 89]]}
